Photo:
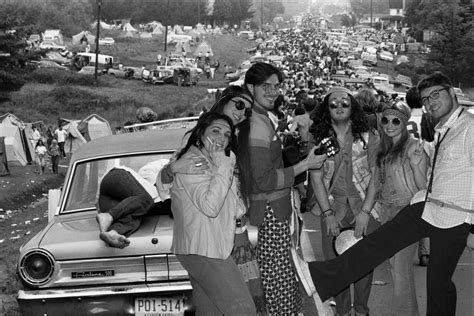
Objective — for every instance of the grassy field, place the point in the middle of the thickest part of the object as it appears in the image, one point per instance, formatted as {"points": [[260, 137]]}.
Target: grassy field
{"points": [[53, 94]]}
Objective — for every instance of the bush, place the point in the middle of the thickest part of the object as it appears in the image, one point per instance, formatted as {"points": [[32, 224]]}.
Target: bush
{"points": [[10, 82]]}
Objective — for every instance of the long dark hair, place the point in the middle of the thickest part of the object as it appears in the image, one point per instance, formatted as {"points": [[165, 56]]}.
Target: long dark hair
{"points": [[322, 127], [228, 94], [198, 131]]}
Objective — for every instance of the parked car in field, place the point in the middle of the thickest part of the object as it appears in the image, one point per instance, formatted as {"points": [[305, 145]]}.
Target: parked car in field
{"points": [[66, 269], [50, 45], [106, 41], [157, 76], [44, 63], [385, 55]]}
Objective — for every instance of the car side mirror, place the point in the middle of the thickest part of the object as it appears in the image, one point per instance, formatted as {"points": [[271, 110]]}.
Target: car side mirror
{"points": [[53, 202]]}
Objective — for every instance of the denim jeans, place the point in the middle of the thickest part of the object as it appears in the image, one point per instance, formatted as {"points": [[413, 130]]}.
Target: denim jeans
{"points": [[407, 227], [218, 286], [123, 197], [361, 286]]}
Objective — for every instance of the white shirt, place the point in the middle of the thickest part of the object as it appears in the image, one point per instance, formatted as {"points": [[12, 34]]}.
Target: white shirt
{"points": [[453, 185], [61, 134], [36, 135]]}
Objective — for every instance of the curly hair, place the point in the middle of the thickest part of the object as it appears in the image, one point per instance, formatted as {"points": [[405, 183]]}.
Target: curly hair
{"points": [[322, 127]]}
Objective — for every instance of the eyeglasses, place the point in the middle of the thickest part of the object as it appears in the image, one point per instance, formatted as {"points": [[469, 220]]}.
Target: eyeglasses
{"points": [[433, 96], [395, 121], [335, 104], [239, 104], [268, 87]]}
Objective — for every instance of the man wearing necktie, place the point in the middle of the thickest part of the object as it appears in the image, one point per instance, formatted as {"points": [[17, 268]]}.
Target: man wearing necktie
{"points": [[444, 212]]}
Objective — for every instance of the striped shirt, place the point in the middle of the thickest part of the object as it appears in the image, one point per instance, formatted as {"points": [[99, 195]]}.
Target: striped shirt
{"points": [[451, 201]]}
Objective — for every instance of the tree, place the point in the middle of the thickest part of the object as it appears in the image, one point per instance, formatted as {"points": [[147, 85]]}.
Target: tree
{"points": [[452, 46], [349, 20]]}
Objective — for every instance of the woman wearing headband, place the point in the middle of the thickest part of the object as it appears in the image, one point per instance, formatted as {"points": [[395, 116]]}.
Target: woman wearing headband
{"points": [[400, 173]]}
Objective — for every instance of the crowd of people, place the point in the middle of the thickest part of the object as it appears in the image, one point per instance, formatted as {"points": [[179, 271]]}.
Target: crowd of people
{"points": [[375, 179]]}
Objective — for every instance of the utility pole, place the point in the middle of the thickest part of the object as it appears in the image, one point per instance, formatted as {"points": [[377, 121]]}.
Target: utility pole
{"points": [[261, 15], [371, 13], [199, 11], [166, 30], [99, 4]]}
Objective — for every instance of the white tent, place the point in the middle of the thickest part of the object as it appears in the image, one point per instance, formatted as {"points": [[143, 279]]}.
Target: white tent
{"points": [[145, 35], [158, 31], [203, 48], [74, 138], [83, 36], [129, 28], [94, 126], [200, 28], [103, 25], [18, 147], [177, 29]]}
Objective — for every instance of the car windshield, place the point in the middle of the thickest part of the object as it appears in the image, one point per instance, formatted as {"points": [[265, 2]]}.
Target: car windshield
{"points": [[83, 191]]}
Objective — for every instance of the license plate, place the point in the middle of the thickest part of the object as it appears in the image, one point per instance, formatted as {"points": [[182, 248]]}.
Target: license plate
{"points": [[158, 306]]}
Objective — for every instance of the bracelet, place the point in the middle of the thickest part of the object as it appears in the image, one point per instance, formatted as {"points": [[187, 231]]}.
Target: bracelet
{"points": [[328, 213], [328, 210], [365, 211]]}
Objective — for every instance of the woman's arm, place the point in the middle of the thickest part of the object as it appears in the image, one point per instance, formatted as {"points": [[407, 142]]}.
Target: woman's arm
{"points": [[209, 191], [418, 163]]}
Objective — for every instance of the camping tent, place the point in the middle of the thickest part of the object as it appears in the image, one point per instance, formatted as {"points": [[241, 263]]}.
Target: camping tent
{"points": [[203, 48], [18, 147], [103, 25], [158, 30], [129, 28], [83, 36], [182, 46], [200, 28], [94, 126], [145, 35], [74, 139], [177, 29]]}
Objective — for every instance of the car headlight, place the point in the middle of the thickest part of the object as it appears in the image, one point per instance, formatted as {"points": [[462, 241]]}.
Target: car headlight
{"points": [[36, 268]]}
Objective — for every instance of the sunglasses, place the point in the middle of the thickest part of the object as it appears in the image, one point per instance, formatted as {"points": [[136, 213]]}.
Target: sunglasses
{"points": [[395, 121], [239, 104], [334, 104]]}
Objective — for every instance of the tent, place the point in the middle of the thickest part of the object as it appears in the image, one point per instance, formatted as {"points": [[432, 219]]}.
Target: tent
{"points": [[200, 28], [129, 28], [74, 139], [83, 36], [182, 46], [145, 35], [158, 30], [177, 29], [94, 126], [18, 147], [103, 25], [203, 48]]}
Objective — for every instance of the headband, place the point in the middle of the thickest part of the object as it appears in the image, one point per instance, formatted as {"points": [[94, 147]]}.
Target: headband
{"points": [[402, 116], [339, 89]]}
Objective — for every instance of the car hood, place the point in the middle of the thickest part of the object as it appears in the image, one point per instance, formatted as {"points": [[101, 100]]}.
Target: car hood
{"points": [[79, 238]]}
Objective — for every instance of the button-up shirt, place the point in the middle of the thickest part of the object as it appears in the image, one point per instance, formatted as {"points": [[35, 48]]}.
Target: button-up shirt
{"points": [[452, 196]]}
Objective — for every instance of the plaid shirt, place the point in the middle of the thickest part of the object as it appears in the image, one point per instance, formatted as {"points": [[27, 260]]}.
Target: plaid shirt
{"points": [[451, 201]]}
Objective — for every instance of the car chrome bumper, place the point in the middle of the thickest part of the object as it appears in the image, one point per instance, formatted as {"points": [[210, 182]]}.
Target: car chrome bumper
{"points": [[166, 287], [108, 300]]}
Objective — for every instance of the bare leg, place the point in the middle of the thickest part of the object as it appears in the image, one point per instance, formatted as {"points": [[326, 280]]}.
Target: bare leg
{"points": [[111, 238]]}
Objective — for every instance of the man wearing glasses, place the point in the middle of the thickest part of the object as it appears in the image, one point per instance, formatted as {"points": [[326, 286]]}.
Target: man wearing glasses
{"points": [[444, 212], [340, 186]]}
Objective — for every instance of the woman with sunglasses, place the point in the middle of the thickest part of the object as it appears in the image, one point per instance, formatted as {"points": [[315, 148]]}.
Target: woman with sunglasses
{"points": [[235, 103], [400, 173], [341, 185]]}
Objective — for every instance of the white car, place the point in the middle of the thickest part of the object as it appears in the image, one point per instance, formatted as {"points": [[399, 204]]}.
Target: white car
{"points": [[385, 55], [51, 45], [106, 41]]}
